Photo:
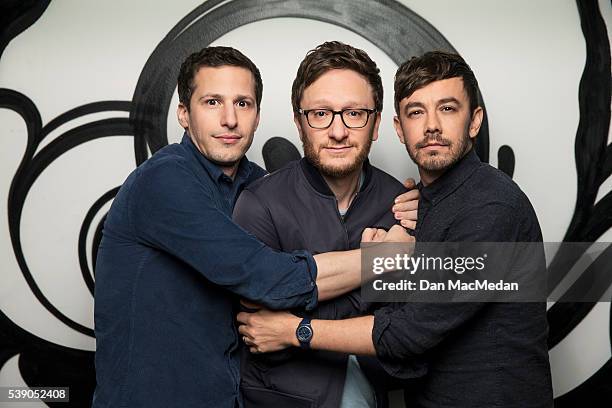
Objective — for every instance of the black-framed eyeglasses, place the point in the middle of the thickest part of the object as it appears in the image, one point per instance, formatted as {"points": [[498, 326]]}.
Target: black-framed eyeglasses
{"points": [[323, 118]]}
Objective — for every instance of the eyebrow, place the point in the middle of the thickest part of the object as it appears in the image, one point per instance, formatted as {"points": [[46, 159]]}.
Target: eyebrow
{"points": [[324, 104], [222, 97], [442, 101]]}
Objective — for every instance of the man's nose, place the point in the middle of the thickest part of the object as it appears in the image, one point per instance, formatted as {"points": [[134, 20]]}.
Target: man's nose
{"points": [[433, 123], [228, 117], [337, 129]]}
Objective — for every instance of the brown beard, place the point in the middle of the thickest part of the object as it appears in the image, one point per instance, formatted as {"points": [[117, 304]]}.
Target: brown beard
{"points": [[333, 171], [437, 162]]}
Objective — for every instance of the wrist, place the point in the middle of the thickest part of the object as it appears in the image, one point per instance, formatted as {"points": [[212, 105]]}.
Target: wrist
{"points": [[294, 322]]}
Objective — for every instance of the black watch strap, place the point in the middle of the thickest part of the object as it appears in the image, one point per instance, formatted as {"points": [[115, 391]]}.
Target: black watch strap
{"points": [[304, 332]]}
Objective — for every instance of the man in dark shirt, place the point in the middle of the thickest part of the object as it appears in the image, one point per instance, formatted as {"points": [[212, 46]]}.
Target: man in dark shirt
{"points": [[321, 203], [172, 264], [476, 354]]}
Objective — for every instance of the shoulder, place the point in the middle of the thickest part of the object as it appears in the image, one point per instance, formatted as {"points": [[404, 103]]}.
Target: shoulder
{"points": [[493, 186], [272, 182], [497, 203], [385, 183]]}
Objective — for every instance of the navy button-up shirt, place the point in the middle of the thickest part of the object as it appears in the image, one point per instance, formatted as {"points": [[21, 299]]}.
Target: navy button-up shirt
{"points": [[170, 270]]}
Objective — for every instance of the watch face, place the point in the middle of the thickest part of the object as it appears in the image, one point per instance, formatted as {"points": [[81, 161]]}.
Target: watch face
{"points": [[304, 333]]}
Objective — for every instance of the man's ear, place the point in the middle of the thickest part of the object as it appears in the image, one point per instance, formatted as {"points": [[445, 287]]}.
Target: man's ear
{"points": [[376, 126], [398, 129], [183, 116], [298, 125], [476, 121]]}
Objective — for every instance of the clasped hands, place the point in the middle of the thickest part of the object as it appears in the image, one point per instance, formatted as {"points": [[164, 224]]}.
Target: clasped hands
{"points": [[266, 331]]}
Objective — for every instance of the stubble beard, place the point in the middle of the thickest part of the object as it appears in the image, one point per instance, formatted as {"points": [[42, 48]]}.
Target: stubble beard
{"points": [[434, 161], [338, 171]]}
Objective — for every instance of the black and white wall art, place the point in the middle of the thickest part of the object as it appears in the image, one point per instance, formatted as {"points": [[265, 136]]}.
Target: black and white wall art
{"points": [[88, 92]]}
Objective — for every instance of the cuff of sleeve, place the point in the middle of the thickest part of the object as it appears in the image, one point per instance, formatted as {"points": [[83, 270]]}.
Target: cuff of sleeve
{"points": [[395, 367], [306, 256]]}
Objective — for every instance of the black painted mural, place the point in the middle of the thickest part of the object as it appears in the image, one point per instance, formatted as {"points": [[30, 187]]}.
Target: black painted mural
{"points": [[388, 25]]}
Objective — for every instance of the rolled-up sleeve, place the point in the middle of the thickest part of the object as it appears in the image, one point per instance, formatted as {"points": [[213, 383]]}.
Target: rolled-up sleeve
{"points": [[404, 332], [172, 210]]}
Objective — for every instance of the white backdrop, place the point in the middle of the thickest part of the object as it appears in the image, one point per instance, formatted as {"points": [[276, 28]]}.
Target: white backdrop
{"points": [[528, 57]]}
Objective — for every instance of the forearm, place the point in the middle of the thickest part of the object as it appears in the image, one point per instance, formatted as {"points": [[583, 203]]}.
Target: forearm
{"points": [[338, 273], [352, 336]]}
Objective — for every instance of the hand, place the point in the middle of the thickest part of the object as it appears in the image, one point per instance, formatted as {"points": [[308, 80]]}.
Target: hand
{"points": [[397, 233], [373, 235], [406, 205], [266, 331]]}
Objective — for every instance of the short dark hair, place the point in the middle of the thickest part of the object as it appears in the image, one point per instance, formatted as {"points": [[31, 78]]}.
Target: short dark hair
{"points": [[336, 55], [214, 57], [433, 66]]}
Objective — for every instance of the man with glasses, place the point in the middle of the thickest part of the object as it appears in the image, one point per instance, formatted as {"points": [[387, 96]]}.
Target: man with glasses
{"points": [[322, 203]]}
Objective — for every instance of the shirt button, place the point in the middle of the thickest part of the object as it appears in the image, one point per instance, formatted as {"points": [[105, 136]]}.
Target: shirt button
{"points": [[312, 283]]}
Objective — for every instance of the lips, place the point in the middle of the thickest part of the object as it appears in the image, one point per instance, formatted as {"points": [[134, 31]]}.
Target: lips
{"points": [[338, 149], [434, 145], [228, 138]]}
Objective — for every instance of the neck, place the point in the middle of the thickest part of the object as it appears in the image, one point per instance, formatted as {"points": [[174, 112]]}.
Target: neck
{"points": [[344, 188], [429, 176], [230, 171]]}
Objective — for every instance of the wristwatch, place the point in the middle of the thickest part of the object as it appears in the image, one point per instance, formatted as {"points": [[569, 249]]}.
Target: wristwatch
{"points": [[304, 332]]}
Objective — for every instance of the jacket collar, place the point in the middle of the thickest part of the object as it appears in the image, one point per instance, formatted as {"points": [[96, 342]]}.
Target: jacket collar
{"points": [[316, 180]]}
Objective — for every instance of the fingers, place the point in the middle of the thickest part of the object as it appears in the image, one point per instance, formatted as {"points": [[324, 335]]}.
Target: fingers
{"points": [[368, 234], [243, 317], [411, 205], [409, 183], [380, 235], [407, 196], [406, 215], [410, 224]]}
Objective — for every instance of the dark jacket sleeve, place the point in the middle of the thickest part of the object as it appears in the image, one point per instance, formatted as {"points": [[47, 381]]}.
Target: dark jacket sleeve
{"points": [[254, 217], [405, 332], [170, 209]]}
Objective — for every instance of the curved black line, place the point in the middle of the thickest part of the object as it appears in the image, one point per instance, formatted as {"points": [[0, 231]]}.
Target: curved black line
{"points": [[99, 203], [391, 26], [22, 105], [24, 180], [87, 109], [18, 16], [592, 158]]}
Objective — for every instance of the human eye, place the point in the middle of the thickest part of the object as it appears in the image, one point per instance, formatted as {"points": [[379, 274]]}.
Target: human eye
{"points": [[448, 108], [354, 113], [211, 102], [415, 113], [243, 103], [320, 113]]}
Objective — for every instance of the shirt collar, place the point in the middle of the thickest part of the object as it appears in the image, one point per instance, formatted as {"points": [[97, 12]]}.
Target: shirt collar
{"points": [[242, 174], [316, 180], [451, 179]]}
